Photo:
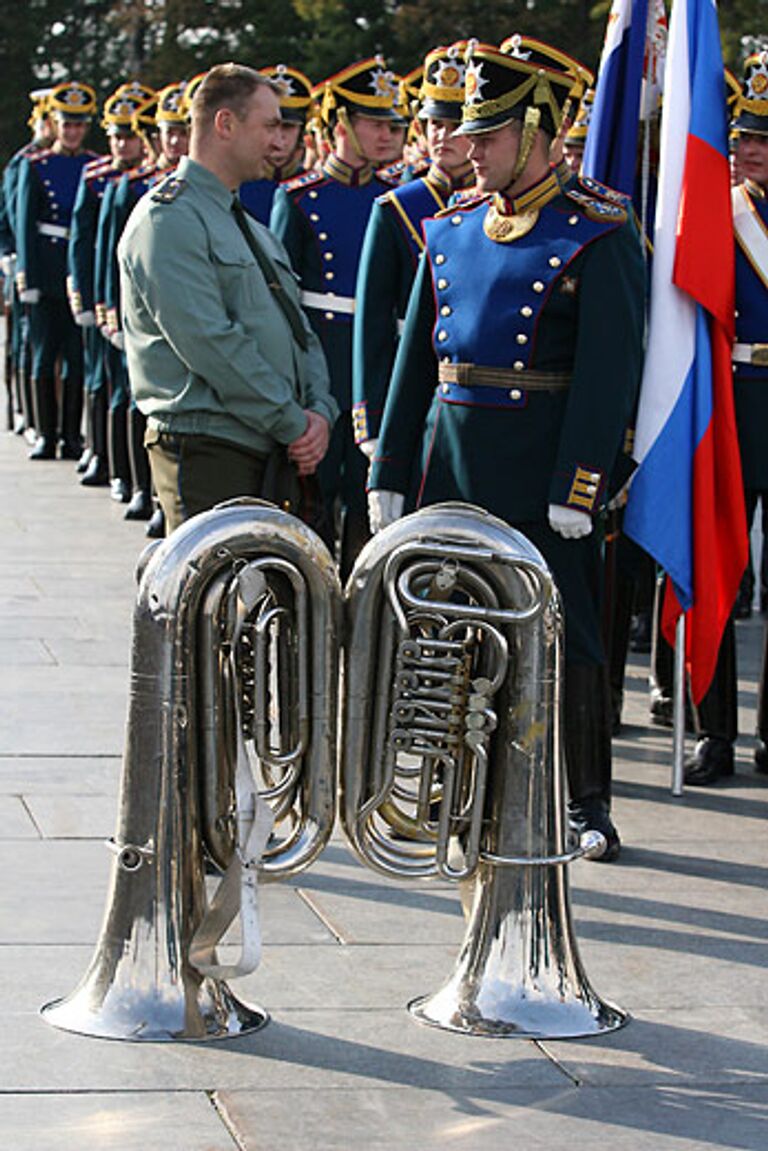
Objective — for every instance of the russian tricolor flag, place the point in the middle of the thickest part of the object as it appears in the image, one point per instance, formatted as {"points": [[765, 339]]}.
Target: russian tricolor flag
{"points": [[610, 154], [686, 502]]}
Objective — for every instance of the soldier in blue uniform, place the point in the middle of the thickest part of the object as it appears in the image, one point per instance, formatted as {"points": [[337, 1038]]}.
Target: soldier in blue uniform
{"points": [[575, 139], [129, 464], [394, 241], [713, 758], [18, 363], [287, 156], [126, 149], [321, 219], [518, 369], [46, 193]]}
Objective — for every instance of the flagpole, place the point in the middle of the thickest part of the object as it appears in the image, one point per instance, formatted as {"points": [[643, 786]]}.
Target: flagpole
{"points": [[678, 708]]}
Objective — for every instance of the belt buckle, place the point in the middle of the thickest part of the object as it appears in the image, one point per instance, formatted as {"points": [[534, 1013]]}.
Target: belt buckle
{"points": [[759, 356]]}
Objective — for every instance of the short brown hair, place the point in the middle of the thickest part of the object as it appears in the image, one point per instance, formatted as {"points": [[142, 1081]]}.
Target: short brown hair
{"points": [[226, 86]]}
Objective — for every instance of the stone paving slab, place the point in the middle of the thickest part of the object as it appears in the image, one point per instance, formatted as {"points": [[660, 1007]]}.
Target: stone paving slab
{"points": [[55, 892], [693, 1044], [490, 1118], [319, 1049], [16, 821], [21, 652], [73, 816], [122, 1121], [675, 932], [59, 775]]}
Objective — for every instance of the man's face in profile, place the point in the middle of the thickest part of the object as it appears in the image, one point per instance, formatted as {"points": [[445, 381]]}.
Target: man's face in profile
{"points": [[255, 135]]}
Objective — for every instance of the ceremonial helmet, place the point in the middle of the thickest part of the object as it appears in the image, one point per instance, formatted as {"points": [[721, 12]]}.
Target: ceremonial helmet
{"points": [[136, 88], [524, 80], [408, 89], [72, 101], [751, 110], [368, 87], [294, 91], [171, 105], [576, 135], [188, 89], [39, 98], [122, 106], [442, 89]]}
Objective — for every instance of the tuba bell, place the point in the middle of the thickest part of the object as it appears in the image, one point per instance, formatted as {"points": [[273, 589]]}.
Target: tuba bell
{"points": [[451, 761], [230, 757]]}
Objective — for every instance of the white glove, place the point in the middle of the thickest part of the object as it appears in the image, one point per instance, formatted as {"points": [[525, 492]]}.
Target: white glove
{"points": [[384, 508], [30, 296], [106, 332], [85, 319], [569, 522], [7, 265], [368, 448], [117, 340]]}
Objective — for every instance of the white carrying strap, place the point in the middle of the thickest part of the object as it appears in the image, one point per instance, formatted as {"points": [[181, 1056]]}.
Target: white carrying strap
{"points": [[339, 305], [751, 232], [56, 231], [238, 890], [328, 302]]}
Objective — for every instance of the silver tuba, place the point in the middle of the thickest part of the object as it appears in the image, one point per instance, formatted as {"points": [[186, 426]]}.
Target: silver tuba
{"points": [[234, 676], [451, 761]]}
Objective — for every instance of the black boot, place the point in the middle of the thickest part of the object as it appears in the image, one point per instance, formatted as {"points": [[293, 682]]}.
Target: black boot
{"points": [[26, 389], [588, 754], [712, 760], [45, 419], [119, 466], [88, 449], [155, 529], [717, 713], [742, 609], [140, 506], [96, 474], [761, 751], [71, 446]]}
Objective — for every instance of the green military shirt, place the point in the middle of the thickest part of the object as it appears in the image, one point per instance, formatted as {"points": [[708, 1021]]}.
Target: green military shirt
{"points": [[210, 351]]}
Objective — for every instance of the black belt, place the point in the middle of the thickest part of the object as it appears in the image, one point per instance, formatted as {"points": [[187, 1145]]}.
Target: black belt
{"points": [[481, 387], [478, 376]]}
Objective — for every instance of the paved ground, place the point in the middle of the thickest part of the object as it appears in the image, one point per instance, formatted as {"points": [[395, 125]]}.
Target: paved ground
{"points": [[676, 932]]}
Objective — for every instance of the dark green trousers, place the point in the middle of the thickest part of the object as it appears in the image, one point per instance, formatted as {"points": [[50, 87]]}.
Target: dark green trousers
{"points": [[192, 474]]}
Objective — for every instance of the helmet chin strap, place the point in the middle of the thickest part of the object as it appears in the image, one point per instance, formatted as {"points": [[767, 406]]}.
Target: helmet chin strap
{"points": [[343, 117], [530, 128]]}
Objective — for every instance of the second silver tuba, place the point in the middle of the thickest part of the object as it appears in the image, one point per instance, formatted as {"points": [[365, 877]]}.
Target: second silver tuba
{"points": [[451, 761], [231, 736]]}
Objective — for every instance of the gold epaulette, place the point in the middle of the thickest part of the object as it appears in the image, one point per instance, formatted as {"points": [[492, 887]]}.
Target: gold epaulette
{"points": [[466, 206], [169, 190], [303, 180], [392, 173], [597, 207]]}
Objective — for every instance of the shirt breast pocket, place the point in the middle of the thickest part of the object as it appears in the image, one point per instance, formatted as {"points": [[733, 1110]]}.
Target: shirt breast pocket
{"points": [[241, 281]]}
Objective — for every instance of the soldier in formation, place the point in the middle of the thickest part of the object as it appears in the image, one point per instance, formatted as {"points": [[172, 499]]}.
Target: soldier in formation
{"points": [[18, 369], [45, 196], [525, 322]]}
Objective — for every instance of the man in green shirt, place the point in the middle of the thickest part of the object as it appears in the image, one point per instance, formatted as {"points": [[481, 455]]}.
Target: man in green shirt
{"points": [[222, 361]]}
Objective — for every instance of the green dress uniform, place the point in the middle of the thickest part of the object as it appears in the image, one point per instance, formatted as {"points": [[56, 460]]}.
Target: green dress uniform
{"points": [[211, 355], [321, 219], [388, 261], [394, 240], [18, 348]]}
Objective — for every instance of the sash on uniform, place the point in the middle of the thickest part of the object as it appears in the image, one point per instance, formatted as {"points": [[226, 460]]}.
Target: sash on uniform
{"points": [[751, 232]]}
